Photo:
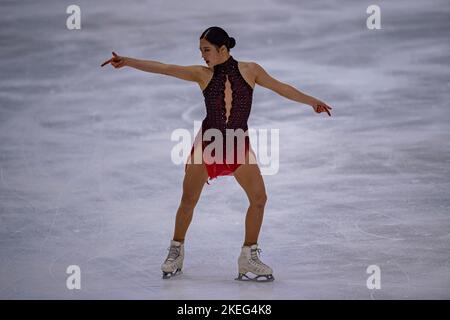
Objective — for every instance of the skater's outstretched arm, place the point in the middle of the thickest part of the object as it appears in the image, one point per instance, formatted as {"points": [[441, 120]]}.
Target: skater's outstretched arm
{"points": [[265, 80], [189, 73]]}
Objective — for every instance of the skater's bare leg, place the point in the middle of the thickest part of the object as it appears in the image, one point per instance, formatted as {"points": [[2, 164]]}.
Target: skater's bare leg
{"points": [[249, 177], [195, 177]]}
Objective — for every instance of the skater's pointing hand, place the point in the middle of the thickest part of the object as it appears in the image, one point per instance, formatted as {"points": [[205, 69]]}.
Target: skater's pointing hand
{"points": [[116, 61], [320, 106]]}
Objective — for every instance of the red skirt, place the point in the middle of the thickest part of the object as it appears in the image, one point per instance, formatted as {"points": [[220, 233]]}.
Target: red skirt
{"points": [[226, 168]]}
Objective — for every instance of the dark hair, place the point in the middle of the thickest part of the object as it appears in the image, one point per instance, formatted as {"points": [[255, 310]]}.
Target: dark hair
{"points": [[218, 37]]}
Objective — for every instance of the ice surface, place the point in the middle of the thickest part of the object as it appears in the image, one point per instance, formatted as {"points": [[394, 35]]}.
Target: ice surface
{"points": [[85, 171]]}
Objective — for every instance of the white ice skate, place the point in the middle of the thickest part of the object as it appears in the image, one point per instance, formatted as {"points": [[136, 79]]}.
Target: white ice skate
{"points": [[174, 261], [249, 262]]}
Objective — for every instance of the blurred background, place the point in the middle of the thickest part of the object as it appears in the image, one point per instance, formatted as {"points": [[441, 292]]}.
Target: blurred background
{"points": [[86, 176]]}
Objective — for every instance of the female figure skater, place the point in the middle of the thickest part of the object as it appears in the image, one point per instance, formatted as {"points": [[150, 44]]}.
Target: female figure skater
{"points": [[227, 87]]}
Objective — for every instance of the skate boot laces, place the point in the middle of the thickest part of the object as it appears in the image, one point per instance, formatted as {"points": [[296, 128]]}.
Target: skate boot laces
{"points": [[254, 256], [174, 252], [255, 253]]}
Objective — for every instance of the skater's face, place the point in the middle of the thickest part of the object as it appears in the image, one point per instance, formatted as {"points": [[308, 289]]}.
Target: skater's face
{"points": [[211, 54]]}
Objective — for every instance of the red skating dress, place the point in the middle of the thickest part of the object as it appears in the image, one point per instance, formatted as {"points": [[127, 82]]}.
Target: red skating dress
{"points": [[226, 73]]}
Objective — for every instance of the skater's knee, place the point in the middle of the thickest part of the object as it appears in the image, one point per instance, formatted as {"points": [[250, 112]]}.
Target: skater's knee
{"points": [[188, 202], [258, 200]]}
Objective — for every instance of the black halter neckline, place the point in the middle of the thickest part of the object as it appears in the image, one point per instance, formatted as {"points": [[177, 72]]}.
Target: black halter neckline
{"points": [[226, 64]]}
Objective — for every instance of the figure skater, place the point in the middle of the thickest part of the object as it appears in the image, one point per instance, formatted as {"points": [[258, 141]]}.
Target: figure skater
{"points": [[227, 86]]}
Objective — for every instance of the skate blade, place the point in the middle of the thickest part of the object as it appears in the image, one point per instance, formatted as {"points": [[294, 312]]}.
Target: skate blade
{"points": [[260, 278], [170, 275]]}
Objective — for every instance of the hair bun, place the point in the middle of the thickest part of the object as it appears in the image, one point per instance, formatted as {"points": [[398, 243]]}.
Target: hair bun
{"points": [[232, 42]]}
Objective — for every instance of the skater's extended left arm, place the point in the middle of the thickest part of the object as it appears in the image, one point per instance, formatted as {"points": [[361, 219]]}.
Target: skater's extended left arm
{"points": [[265, 80]]}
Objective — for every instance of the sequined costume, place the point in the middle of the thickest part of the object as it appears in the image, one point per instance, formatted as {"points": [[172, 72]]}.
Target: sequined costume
{"points": [[225, 74]]}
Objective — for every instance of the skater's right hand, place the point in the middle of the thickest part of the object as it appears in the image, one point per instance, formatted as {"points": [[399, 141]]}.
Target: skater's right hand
{"points": [[116, 61]]}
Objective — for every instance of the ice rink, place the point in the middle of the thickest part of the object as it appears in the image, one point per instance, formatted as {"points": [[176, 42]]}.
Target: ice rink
{"points": [[86, 176]]}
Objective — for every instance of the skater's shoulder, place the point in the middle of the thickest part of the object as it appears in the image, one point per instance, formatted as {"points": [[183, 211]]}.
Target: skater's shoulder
{"points": [[246, 64], [249, 68]]}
